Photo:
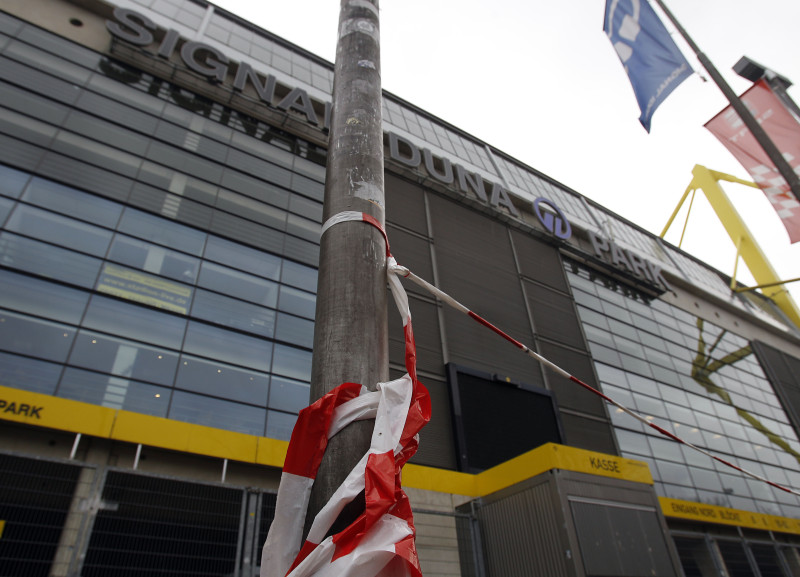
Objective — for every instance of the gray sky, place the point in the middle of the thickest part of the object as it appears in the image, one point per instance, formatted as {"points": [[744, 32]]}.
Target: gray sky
{"points": [[476, 63]]}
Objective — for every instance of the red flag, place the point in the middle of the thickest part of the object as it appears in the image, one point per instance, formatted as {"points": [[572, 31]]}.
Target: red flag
{"points": [[783, 129]]}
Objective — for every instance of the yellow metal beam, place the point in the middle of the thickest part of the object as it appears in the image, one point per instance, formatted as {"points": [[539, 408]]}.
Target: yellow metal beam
{"points": [[756, 260]]}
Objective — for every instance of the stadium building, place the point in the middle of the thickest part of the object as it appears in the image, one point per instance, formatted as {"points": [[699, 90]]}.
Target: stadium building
{"points": [[161, 179]]}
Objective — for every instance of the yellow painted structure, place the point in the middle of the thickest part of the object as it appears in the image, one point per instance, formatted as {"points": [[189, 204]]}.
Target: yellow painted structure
{"points": [[77, 417], [725, 516], [747, 247]]}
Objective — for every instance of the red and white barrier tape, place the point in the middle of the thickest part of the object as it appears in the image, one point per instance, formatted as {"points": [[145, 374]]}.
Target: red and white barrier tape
{"points": [[380, 542], [450, 301]]}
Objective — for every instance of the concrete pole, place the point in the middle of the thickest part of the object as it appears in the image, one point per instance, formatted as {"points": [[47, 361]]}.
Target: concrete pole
{"points": [[350, 336]]}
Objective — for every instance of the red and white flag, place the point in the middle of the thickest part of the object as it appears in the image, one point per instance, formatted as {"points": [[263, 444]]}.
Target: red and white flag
{"points": [[380, 542], [783, 129]]}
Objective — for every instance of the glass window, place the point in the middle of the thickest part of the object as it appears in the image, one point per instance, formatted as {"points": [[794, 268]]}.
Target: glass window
{"points": [[674, 473], [735, 558], [154, 259], [280, 425], [35, 337], [223, 380], [59, 230], [103, 131], [119, 102], [161, 231], [234, 313], [304, 228], [288, 395], [242, 257], [136, 322], [298, 302], [295, 330], [54, 65], [236, 348], [96, 153], [178, 183], [12, 181], [124, 358], [254, 188], [71, 202], [217, 413], [28, 374], [301, 276], [114, 392], [305, 207], [184, 161], [292, 362], [41, 298], [251, 209], [238, 284], [695, 557]]}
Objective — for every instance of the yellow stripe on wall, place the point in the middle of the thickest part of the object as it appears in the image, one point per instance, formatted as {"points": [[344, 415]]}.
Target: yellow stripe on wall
{"points": [[725, 516]]}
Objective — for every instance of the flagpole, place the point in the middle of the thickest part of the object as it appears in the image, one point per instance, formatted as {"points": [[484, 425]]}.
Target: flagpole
{"points": [[351, 331], [789, 175]]}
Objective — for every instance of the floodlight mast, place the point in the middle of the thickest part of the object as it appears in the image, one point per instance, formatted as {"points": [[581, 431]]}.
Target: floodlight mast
{"points": [[764, 141], [351, 331]]}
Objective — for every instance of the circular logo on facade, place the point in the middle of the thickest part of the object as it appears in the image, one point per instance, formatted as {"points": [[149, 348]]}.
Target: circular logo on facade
{"points": [[556, 222]]}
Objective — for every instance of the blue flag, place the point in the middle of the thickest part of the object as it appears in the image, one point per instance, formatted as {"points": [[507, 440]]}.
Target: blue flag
{"points": [[653, 62]]}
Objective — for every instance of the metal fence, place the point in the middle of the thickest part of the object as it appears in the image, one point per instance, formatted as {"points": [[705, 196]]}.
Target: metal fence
{"points": [[61, 519]]}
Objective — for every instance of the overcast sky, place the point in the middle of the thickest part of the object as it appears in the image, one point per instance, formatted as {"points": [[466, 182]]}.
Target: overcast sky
{"points": [[477, 63]]}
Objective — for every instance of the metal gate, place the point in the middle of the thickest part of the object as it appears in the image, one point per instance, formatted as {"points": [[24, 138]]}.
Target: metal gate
{"points": [[35, 499], [59, 519]]}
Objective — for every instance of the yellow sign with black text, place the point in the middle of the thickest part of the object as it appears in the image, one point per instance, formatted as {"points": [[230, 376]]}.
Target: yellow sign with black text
{"points": [[726, 516]]}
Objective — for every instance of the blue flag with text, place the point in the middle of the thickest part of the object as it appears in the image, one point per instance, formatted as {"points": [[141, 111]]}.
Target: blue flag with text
{"points": [[653, 62]]}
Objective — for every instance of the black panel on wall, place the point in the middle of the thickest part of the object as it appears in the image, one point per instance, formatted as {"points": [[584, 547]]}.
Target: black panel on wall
{"points": [[405, 205], [569, 394], [436, 445], [476, 267], [589, 434], [554, 315], [539, 261], [497, 420], [425, 324], [783, 371], [413, 252]]}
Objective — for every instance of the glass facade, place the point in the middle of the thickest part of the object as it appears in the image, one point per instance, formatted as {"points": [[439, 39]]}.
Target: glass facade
{"points": [[158, 251], [699, 381]]}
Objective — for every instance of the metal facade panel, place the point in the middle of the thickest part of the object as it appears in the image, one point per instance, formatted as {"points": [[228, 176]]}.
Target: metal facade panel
{"points": [[413, 252], [405, 204], [539, 261], [620, 540], [783, 372], [588, 434], [521, 535], [425, 324], [436, 444], [554, 315], [569, 394]]}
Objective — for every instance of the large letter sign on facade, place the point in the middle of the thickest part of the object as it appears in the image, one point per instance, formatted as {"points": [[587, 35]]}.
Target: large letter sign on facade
{"points": [[556, 223]]}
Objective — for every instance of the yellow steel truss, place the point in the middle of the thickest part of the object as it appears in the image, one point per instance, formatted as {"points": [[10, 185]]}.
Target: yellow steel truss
{"points": [[746, 245]]}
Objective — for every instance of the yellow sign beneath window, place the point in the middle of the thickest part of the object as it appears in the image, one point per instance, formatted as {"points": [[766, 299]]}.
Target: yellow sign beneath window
{"points": [[726, 516], [144, 288]]}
